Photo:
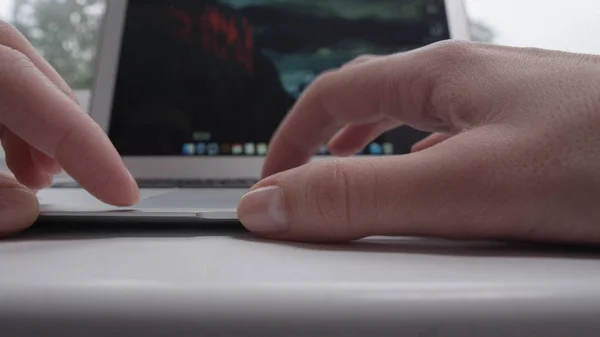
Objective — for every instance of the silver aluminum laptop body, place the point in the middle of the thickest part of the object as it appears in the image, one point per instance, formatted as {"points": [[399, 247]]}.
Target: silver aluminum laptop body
{"points": [[151, 93]]}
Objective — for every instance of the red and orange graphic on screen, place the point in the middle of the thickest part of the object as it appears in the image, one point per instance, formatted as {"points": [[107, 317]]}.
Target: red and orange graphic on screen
{"points": [[225, 36]]}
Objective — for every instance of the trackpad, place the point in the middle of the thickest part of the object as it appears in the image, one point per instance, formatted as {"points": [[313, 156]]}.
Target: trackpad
{"points": [[201, 199]]}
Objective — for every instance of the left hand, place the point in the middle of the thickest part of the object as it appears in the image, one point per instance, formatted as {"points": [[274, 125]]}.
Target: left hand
{"points": [[43, 131]]}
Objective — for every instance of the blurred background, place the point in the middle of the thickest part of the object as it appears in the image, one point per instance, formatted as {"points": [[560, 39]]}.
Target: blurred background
{"points": [[66, 32]]}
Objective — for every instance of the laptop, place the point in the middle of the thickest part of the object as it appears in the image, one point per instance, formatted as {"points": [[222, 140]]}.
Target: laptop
{"points": [[190, 91]]}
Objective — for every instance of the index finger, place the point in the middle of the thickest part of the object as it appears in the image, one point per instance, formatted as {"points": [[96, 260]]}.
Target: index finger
{"points": [[397, 86], [36, 110]]}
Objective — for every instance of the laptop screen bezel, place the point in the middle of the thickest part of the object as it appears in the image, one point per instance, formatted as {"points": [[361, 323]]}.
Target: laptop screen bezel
{"points": [[182, 167]]}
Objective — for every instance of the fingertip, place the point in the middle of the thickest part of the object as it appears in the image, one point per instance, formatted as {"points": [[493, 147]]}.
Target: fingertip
{"points": [[296, 205], [135, 194], [420, 145], [430, 141], [19, 209], [127, 196], [415, 148], [136, 198], [134, 191], [344, 152], [118, 189], [45, 163], [104, 174], [263, 211], [20, 160]]}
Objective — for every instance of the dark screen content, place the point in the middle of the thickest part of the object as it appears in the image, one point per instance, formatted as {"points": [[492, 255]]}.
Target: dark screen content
{"points": [[217, 77]]}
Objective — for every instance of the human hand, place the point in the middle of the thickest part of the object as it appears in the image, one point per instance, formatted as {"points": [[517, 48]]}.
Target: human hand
{"points": [[515, 152], [43, 131]]}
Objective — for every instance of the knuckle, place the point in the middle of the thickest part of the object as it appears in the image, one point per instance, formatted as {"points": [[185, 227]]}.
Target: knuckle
{"points": [[12, 59], [360, 59], [13, 41], [448, 88], [318, 91], [449, 102], [7, 32], [453, 50], [323, 80], [12, 62], [329, 189], [8, 180]]}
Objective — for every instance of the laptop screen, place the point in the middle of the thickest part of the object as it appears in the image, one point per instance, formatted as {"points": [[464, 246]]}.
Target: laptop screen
{"points": [[215, 78]]}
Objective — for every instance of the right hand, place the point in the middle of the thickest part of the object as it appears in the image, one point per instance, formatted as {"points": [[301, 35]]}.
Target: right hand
{"points": [[43, 131], [516, 156]]}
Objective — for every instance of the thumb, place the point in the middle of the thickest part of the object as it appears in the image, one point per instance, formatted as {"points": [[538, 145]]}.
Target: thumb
{"points": [[18, 206], [445, 191]]}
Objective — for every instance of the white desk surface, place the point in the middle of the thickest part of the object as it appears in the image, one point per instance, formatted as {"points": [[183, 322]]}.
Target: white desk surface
{"points": [[227, 283]]}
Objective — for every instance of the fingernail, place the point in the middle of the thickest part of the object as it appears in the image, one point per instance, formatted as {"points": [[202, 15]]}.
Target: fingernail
{"points": [[48, 181], [135, 187], [263, 211], [57, 170], [51, 180], [133, 181]]}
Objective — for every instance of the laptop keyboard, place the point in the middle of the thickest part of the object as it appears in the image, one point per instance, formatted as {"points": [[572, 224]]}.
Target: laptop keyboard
{"points": [[180, 183]]}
